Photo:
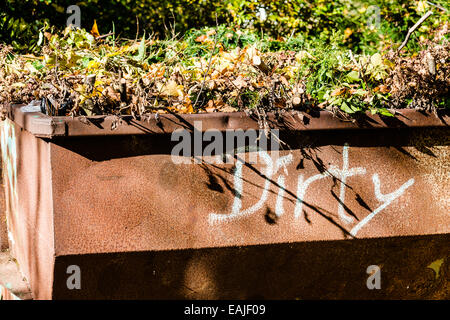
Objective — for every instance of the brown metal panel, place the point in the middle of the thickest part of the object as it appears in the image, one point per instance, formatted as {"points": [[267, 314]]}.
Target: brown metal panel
{"points": [[115, 203], [146, 202], [36, 123], [47, 127], [305, 270], [29, 206], [3, 229]]}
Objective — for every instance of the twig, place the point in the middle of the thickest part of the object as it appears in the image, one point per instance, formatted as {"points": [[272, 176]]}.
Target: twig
{"points": [[123, 90], [56, 73], [209, 64], [292, 34], [137, 27], [104, 35], [350, 53], [122, 87], [296, 101], [174, 25], [259, 63], [413, 28], [437, 6]]}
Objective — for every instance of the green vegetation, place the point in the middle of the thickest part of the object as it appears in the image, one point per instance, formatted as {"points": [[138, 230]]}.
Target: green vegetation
{"points": [[333, 55], [313, 19]]}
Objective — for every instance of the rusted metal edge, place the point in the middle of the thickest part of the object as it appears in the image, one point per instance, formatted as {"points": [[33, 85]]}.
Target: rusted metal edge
{"points": [[37, 123], [45, 126]]}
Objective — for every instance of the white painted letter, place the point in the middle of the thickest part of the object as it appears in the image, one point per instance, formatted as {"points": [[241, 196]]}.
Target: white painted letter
{"points": [[342, 175], [238, 187], [385, 198], [301, 191]]}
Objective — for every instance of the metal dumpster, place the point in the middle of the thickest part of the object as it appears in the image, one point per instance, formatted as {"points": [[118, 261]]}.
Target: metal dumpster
{"points": [[105, 197]]}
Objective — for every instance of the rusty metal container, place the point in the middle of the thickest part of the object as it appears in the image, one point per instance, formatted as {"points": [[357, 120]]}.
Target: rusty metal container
{"points": [[345, 195]]}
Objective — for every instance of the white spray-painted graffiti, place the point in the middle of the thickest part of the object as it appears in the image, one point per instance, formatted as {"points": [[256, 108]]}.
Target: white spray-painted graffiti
{"points": [[9, 159], [340, 174]]}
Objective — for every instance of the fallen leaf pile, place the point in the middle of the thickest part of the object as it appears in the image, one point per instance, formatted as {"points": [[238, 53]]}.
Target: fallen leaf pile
{"points": [[82, 73], [423, 79]]}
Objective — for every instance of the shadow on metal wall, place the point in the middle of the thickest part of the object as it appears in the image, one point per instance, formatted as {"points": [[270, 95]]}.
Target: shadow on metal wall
{"points": [[301, 270], [101, 148], [313, 270]]}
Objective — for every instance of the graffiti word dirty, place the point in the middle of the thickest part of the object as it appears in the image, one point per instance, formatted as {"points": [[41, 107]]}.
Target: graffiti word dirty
{"points": [[273, 167]]}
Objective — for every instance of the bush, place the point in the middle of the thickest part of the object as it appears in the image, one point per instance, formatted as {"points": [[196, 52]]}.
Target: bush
{"points": [[21, 21]]}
